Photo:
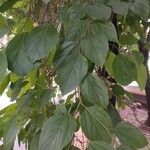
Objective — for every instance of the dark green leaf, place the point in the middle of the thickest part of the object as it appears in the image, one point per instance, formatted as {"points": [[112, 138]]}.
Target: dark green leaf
{"points": [[45, 97], [95, 48], [123, 148], [41, 41], [141, 8], [97, 12], [118, 90], [100, 145], [71, 72], [114, 114], [95, 91], [35, 141], [60, 109], [138, 57], [124, 70], [10, 132], [18, 61], [119, 7], [57, 132], [96, 124], [106, 28], [130, 136]]}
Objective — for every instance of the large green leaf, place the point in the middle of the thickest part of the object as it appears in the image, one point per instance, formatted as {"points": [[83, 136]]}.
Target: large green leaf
{"points": [[10, 132], [97, 12], [57, 132], [106, 28], [95, 48], [3, 65], [95, 91], [119, 6], [18, 61], [130, 136], [124, 70], [72, 71], [100, 145], [34, 145], [141, 8], [76, 29], [96, 124], [41, 41]]}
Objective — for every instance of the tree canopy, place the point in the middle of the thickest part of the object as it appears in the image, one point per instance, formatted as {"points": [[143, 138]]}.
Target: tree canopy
{"points": [[84, 50]]}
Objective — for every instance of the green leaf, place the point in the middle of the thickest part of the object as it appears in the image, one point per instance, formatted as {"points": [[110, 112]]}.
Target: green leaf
{"points": [[61, 54], [35, 141], [57, 132], [78, 10], [16, 88], [97, 12], [141, 76], [130, 136], [10, 132], [109, 63], [118, 90], [7, 5], [71, 72], [18, 61], [24, 25], [25, 101], [76, 29], [41, 41], [95, 91], [141, 8], [4, 84], [114, 114], [96, 124], [124, 70], [119, 7], [3, 65], [128, 39], [95, 48], [106, 28], [45, 97], [3, 26], [141, 70], [100, 145], [123, 148], [60, 109], [137, 57]]}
